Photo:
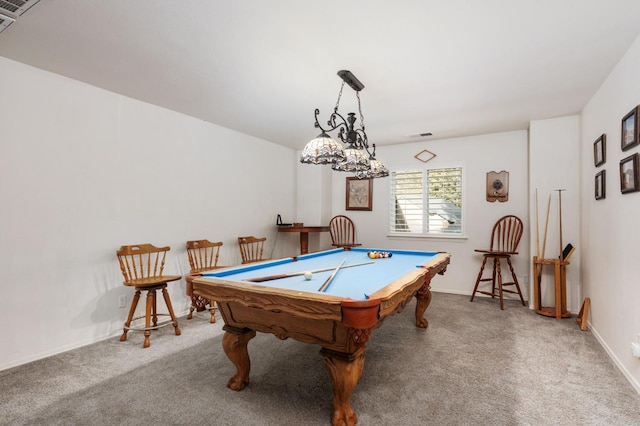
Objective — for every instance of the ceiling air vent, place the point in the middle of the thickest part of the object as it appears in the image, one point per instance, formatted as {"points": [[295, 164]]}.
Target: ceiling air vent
{"points": [[420, 135], [16, 7], [5, 21]]}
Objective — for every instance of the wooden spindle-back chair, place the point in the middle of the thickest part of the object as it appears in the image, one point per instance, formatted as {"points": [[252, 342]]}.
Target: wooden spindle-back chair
{"points": [[343, 232], [251, 248], [505, 238], [203, 257], [142, 266]]}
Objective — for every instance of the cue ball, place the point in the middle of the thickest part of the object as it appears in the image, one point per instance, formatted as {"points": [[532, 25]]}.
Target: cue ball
{"points": [[308, 275]]}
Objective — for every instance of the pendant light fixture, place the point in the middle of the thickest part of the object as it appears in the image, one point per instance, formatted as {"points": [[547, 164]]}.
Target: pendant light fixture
{"points": [[356, 157]]}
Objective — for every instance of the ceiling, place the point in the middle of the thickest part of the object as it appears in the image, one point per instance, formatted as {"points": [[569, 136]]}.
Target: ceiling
{"points": [[453, 68]]}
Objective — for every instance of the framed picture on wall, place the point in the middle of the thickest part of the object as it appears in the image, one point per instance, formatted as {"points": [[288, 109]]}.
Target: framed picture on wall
{"points": [[601, 181], [359, 194], [630, 129], [600, 150], [629, 174]]}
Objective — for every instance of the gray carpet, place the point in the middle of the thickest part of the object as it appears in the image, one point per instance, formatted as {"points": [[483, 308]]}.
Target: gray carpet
{"points": [[474, 365]]}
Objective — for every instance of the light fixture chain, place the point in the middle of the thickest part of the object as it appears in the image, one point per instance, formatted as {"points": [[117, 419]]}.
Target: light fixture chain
{"points": [[339, 96], [360, 110]]}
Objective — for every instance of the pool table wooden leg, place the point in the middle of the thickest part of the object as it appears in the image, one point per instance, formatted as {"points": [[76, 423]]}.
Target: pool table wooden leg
{"points": [[234, 343], [423, 299], [345, 371]]}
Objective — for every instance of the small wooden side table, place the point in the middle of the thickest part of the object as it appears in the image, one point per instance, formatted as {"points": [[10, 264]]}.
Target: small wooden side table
{"points": [[558, 311]]}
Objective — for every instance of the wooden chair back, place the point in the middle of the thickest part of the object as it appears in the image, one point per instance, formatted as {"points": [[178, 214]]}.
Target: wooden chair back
{"points": [[142, 264], [251, 248], [343, 232], [203, 255], [506, 235]]}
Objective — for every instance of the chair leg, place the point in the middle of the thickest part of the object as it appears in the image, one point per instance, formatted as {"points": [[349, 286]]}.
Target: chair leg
{"points": [[132, 310], [154, 308], [167, 300], [496, 267], [475, 288], [515, 281], [191, 309], [499, 277], [212, 310], [147, 317]]}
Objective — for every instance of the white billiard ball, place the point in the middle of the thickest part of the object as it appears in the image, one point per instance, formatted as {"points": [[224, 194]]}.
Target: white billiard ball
{"points": [[308, 275]]}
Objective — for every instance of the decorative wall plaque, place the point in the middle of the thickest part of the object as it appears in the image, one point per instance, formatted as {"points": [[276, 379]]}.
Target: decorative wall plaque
{"points": [[498, 186], [425, 155]]}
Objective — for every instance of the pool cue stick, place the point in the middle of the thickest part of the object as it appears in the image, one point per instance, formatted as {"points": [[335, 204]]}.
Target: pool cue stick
{"points": [[546, 225], [324, 286], [294, 274], [560, 217], [537, 228], [537, 269]]}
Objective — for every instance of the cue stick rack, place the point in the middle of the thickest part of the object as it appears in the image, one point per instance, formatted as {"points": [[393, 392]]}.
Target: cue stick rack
{"points": [[559, 264]]}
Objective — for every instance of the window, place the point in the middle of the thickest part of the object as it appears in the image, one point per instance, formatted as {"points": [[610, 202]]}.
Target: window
{"points": [[426, 201]]}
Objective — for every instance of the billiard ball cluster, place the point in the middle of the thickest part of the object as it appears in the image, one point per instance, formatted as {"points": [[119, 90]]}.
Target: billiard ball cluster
{"points": [[379, 254]]}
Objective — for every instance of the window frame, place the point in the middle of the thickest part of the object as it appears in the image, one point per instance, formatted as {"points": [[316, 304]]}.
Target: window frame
{"points": [[427, 235]]}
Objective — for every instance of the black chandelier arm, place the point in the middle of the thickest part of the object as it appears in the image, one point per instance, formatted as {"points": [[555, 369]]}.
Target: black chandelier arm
{"points": [[354, 138], [332, 122], [372, 155]]}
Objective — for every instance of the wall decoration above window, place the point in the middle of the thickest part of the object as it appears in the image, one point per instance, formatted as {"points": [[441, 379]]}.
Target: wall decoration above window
{"points": [[601, 185], [629, 181], [425, 156], [498, 186], [630, 131], [600, 150]]}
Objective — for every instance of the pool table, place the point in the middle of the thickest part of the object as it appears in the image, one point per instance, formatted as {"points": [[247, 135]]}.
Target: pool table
{"points": [[340, 318]]}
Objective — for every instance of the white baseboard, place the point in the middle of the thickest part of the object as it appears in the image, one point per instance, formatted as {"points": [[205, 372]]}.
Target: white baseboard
{"points": [[62, 349], [615, 359]]}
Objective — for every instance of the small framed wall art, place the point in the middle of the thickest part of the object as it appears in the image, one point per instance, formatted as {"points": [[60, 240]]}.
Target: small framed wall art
{"points": [[601, 185], [359, 194], [629, 174], [600, 150], [630, 131]]}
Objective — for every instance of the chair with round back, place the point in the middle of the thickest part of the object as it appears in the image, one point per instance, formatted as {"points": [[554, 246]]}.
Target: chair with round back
{"points": [[343, 232], [505, 238]]}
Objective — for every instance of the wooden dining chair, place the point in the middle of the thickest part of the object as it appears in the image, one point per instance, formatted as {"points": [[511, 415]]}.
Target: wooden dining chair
{"points": [[505, 238], [203, 257], [343, 232], [251, 249], [142, 266]]}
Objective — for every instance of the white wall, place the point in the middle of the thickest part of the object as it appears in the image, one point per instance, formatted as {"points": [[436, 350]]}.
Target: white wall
{"points": [[554, 165], [610, 233], [84, 171], [477, 155], [314, 203]]}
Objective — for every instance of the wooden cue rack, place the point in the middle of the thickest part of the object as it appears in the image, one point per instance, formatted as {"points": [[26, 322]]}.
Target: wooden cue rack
{"points": [[558, 311]]}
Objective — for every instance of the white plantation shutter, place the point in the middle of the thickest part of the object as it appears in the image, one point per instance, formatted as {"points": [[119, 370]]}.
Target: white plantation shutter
{"points": [[426, 201]]}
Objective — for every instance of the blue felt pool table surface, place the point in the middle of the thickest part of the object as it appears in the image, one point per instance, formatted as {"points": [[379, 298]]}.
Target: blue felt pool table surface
{"points": [[356, 282]]}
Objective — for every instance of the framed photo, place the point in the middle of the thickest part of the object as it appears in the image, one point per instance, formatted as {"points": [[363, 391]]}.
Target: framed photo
{"points": [[629, 174], [359, 194], [600, 150], [601, 185], [630, 131]]}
